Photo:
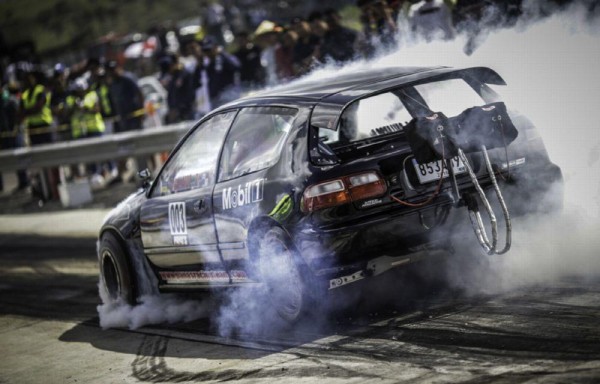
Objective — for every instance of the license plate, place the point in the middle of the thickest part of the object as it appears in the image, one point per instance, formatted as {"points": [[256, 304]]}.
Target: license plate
{"points": [[431, 171]]}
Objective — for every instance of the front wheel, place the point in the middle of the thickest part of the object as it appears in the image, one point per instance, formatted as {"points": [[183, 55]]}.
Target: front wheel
{"points": [[280, 274], [114, 270]]}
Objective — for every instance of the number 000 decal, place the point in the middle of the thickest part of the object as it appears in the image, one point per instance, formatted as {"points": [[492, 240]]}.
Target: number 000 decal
{"points": [[177, 221]]}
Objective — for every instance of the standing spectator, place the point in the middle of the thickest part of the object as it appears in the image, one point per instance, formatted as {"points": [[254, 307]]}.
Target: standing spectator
{"points": [[379, 25], [107, 111], [284, 55], [180, 90], [319, 29], [127, 98], [340, 43], [35, 108], [305, 46], [199, 79], [36, 115], [431, 19], [58, 92], [188, 57], [98, 82], [86, 104], [86, 119], [222, 70], [107, 108], [128, 103], [252, 74], [266, 37], [9, 136]]}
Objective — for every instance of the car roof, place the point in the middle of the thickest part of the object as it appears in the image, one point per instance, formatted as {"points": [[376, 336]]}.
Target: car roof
{"points": [[330, 93], [318, 87]]}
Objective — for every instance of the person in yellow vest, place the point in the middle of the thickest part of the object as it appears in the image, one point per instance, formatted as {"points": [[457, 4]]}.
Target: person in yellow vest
{"points": [[86, 119], [36, 115], [99, 83], [35, 109]]}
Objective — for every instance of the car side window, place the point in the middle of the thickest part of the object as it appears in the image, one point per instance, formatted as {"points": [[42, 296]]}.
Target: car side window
{"points": [[193, 165], [255, 140]]}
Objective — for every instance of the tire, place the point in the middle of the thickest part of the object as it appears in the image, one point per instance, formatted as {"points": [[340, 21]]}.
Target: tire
{"points": [[114, 270], [282, 279]]}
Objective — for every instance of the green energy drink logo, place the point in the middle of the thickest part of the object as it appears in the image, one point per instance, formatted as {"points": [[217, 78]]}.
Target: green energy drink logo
{"points": [[283, 208]]}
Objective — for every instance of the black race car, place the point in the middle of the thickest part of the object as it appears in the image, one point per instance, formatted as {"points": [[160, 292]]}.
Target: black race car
{"points": [[312, 186]]}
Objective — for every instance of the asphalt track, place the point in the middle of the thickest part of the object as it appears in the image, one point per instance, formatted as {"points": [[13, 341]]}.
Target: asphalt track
{"points": [[423, 332]]}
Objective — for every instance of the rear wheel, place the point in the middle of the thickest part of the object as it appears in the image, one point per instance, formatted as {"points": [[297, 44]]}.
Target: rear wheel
{"points": [[280, 274], [114, 270]]}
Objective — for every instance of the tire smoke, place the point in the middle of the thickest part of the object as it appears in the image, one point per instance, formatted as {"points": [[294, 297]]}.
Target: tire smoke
{"points": [[551, 67]]}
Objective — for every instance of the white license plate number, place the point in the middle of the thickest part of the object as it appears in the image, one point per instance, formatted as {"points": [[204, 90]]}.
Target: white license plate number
{"points": [[432, 171]]}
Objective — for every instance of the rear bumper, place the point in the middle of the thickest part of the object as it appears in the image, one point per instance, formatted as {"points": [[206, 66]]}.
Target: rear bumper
{"points": [[398, 235], [382, 264]]}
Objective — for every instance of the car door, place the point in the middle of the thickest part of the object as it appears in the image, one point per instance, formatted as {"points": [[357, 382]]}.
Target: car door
{"points": [[176, 221], [252, 147]]}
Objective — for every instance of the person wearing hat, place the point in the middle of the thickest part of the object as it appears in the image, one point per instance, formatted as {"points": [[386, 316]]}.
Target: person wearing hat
{"points": [[266, 37]]}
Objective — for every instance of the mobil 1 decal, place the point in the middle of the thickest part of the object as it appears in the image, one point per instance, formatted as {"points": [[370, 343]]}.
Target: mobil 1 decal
{"points": [[244, 194], [177, 223]]}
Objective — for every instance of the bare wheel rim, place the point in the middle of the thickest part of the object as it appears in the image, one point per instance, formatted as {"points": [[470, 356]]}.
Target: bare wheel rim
{"points": [[281, 276]]}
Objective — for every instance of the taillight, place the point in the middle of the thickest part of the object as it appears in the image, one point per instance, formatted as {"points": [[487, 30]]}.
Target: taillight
{"points": [[327, 194], [343, 190]]}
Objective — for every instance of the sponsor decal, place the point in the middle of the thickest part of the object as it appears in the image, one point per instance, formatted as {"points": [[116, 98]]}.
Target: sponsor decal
{"points": [[344, 280], [283, 208], [248, 193], [514, 163], [180, 240], [370, 203], [178, 223], [174, 277]]}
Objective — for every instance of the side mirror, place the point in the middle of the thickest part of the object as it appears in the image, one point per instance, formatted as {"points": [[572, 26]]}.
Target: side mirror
{"points": [[145, 175]]}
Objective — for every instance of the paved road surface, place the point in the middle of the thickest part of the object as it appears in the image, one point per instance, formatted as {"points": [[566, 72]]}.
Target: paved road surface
{"points": [[424, 333]]}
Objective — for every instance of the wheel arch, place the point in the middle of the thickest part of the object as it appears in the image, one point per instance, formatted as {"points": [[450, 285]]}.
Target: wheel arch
{"points": [[260, 225]]}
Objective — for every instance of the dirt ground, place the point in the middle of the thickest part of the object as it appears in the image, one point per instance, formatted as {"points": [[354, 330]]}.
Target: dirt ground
{"points": [[49, 332]]}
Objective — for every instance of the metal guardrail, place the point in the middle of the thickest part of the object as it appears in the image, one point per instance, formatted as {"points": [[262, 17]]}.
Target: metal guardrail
{"points": [[113, 146]]}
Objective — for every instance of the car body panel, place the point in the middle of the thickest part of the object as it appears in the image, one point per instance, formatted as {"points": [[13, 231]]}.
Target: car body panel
{"points": [[356, 239]]}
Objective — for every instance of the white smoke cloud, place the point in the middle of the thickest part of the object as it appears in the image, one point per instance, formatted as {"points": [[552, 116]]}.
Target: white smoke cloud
{"points": [[150, 310], [551, 67]]}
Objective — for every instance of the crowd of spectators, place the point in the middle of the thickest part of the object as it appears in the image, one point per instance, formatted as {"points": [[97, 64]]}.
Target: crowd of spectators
{"points": [[97, 97]]}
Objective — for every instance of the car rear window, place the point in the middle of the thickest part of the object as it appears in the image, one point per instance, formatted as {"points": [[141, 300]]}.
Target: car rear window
{"points": [[389, 112]]}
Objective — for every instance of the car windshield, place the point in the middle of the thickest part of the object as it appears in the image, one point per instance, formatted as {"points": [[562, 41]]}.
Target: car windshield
{"points": [[389, 112]]}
